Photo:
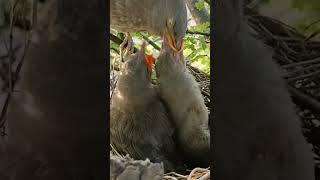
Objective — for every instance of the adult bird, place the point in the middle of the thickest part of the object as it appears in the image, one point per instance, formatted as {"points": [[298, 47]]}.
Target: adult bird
{"points": [[139, 124], [257, 131], [59, 113], [181, 94], [159, 17]]}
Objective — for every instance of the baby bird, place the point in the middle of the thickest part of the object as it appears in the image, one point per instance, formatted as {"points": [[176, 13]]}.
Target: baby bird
{"points": [[257, 134], [140, 125], [181, 94]]}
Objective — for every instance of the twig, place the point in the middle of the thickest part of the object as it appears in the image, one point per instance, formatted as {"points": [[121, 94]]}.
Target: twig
{"points": [[118, 41], [311, 24], [317, 60], [292, 73], [304, 99], [312, 74], [151, 42], [314, 34], [169, 178], [115, 39], [198, 32], [115, 50]]}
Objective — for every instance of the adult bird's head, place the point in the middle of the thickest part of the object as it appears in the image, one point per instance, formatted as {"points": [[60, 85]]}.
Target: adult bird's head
{"points": [[138, 65], [172, 46], [175, 24], [173, 37]]}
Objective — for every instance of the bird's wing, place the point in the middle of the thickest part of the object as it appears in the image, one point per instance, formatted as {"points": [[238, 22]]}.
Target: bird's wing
{"points": [[151, 137]]}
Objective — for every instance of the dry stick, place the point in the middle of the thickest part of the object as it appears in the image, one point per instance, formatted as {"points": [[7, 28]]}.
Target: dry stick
{"points": [[169, 178], [305, 99], [292, 73], [6, 103], [296, 93], [13, 83], [10, 54], [176, 174], [195, 170], [117, 40], [282, 43], [303, 76], [116, 152], [115, 50], [314, 34], [205, 177], [198, 33], [151, 42], [298, 96], [311, 24]]}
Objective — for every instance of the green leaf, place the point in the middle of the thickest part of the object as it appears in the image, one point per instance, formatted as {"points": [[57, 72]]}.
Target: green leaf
{"points": [[199, 5]]}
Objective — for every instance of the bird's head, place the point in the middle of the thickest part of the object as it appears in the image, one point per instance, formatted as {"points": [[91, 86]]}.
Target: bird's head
{"points": [[138, 65], [175, 26], [172, 46], [174, 33]]}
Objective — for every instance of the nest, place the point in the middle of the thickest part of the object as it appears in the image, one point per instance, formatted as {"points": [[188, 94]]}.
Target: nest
{"points": [[298, 56], [196, 173]]}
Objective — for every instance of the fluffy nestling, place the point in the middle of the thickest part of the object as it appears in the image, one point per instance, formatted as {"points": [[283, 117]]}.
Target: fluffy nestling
{"points": [[140, 125], [181, 94]]}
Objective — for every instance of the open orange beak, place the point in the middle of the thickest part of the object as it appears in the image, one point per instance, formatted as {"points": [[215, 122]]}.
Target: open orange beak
{"points": [[149, 60]]}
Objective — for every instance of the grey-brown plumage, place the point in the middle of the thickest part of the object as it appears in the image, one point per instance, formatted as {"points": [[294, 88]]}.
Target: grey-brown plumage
{"points": [[59, 112], [182, 96], [257, 134], [158, 17], [139, 124]]}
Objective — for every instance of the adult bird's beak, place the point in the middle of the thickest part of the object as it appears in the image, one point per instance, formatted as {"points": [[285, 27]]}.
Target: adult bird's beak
{"points": [[170, 39], [170, 42]]}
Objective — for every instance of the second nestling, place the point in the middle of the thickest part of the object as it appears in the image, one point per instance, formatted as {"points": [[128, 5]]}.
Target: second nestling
{"points": [[139, 124]]}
